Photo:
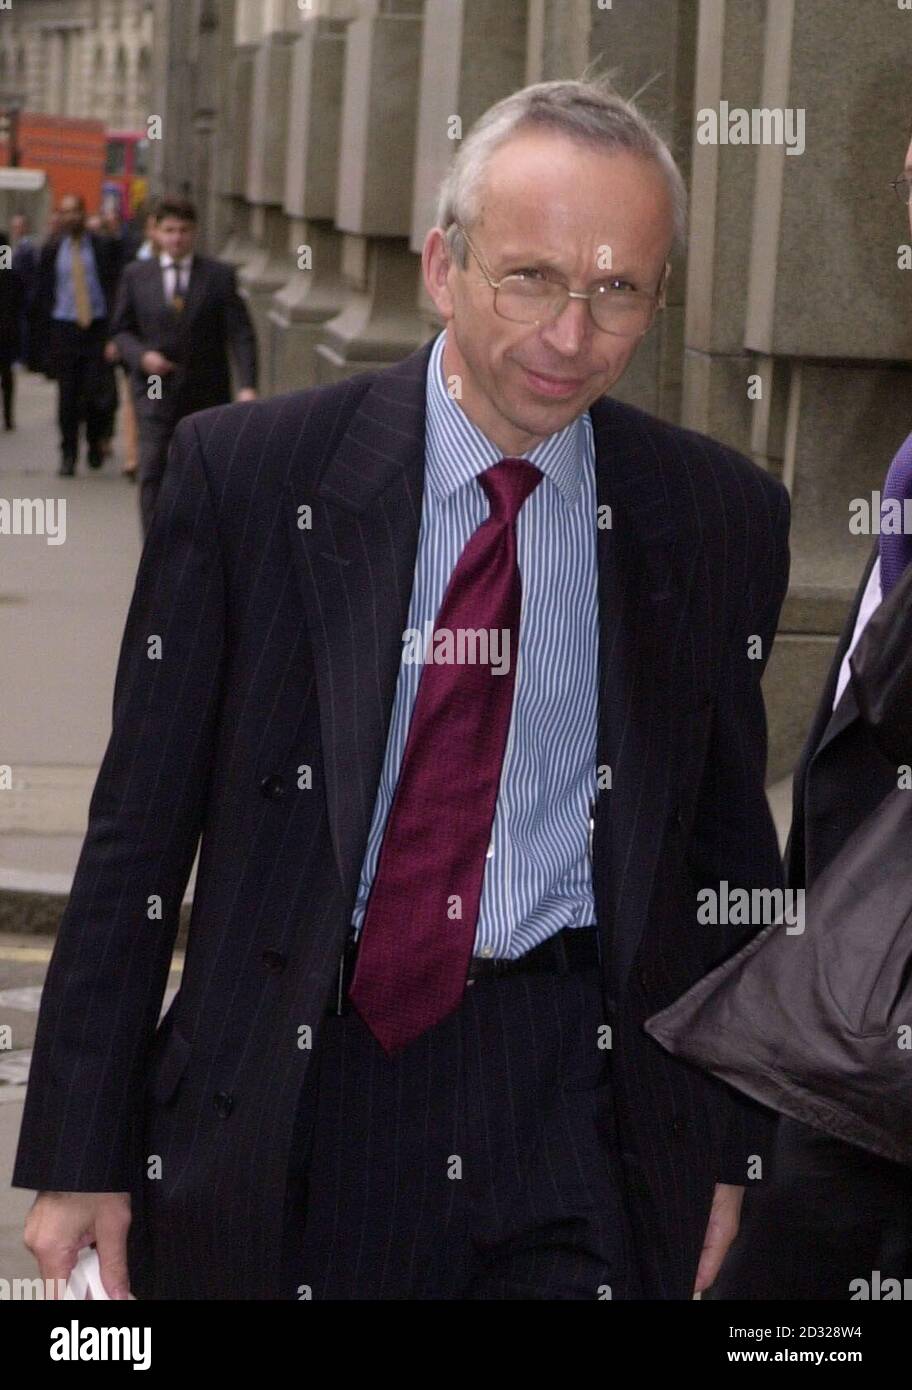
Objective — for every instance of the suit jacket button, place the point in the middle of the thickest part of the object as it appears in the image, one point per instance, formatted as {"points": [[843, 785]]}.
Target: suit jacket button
{"points": [[273, 786], [678, 1125], [645, 979], [224, 1103], [273, 960]]}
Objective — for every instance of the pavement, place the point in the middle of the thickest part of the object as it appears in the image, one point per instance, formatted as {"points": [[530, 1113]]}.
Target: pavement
{"points": [[62, 613]]}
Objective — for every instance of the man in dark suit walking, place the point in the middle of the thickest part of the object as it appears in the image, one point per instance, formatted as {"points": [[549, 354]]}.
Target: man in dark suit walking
{"points": [[458, 673], [75, 287], [25, 263], [12, 298], [177, 315]]}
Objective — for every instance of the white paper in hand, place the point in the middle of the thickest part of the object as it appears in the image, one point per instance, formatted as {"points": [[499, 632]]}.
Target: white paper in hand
{"points": [[85, 1280]]}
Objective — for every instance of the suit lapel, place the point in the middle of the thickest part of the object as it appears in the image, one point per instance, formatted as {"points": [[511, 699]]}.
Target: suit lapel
{"points": [[199, 274], [646, 566], [156, 274], [356, 565]]}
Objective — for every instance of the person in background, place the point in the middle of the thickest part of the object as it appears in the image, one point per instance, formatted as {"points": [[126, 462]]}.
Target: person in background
{"points": [[138, 234], [178, 314], [148, 247], [832, 1212], [25, 261], [138, 245], [77, 278], [12, 298], [110, 224]]}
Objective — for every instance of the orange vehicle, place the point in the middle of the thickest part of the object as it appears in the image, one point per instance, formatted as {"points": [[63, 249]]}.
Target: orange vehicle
{"points": [[126, 184], [70, 150]]}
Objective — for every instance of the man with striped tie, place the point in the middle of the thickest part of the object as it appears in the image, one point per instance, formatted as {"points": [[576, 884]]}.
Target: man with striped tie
{"points": [[460, 679], [178, 317]]}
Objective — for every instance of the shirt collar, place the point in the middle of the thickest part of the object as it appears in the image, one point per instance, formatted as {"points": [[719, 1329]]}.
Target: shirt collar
{"points": [[457, 450], [165, 260]]}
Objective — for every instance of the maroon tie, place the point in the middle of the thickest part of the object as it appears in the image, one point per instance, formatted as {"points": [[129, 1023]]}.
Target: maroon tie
{"points": [[419, 928]]}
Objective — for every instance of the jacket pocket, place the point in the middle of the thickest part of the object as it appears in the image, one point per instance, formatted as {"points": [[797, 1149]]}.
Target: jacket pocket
{"points": [[169, 1066]]}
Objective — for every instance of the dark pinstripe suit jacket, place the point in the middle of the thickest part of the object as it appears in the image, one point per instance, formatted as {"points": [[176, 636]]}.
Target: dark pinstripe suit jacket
{"points": [[262, 722]]}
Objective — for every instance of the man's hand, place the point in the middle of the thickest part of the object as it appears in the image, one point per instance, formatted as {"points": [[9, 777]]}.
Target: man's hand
{"points": [[721, 1229], [155, 364], [111, 352], [246, 393], [59, 1224]]}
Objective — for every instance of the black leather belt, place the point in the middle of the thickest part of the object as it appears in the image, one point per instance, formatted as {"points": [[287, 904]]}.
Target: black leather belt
{"points": [[572, 948]]}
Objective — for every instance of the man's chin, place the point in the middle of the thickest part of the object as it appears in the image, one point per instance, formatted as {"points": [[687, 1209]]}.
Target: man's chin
{"points": [[542, 416]]}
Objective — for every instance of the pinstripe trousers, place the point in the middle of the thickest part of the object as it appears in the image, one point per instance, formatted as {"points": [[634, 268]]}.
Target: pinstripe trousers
{"points": [[480, 1162]]}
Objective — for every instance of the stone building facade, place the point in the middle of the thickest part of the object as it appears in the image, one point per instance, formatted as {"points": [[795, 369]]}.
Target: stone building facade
{"points": [[78, 58]]}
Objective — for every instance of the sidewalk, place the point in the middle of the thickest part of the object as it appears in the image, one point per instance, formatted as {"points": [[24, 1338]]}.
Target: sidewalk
{"points": [[62, 613]]}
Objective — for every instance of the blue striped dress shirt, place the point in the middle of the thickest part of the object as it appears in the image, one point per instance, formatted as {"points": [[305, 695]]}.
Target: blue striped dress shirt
{"points": [[538, 875], [64, 294]]}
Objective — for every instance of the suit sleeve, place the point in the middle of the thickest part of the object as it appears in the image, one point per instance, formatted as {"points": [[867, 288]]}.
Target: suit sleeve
{"points": [[124, 325], [881, 667], [240, 334], [109, 969], [734, 834]]}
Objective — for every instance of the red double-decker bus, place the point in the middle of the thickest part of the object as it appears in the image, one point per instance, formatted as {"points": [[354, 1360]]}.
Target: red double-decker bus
{"points": [[126, 174]]}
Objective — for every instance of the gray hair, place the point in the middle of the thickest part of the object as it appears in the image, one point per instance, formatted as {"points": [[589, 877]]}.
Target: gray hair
{"points": [[589, 111]]}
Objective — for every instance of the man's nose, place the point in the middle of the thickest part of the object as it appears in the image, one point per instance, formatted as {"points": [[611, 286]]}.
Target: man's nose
{"points": [[568, 331]]}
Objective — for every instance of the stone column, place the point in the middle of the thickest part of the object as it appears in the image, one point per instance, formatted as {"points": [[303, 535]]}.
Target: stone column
{"points": [[313, 292], [473, 54], [825, 309], [652, 45], [729, 63], [173, 88], [558, 38], [269, 268], [378, 324]]}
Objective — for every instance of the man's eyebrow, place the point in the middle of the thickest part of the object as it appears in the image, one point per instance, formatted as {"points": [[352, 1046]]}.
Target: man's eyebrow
{"points": [[542, 261]]}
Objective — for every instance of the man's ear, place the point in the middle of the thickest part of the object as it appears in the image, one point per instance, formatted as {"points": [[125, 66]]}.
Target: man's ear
{"points": [[436, 265]]}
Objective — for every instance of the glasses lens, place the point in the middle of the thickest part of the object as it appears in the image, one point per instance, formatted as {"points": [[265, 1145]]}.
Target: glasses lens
{"points": [[526, 300], [622, 312]]}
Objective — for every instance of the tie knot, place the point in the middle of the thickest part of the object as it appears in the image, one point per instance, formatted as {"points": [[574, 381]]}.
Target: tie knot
{"points": [[507, 484]]}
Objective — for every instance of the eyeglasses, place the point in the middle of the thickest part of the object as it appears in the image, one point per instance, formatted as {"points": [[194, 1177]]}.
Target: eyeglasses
{"points": [[530, 297], [902, 187]]}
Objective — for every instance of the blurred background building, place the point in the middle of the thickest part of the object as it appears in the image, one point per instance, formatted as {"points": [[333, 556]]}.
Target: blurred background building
{"points": [[78, 58], [313, 135]]}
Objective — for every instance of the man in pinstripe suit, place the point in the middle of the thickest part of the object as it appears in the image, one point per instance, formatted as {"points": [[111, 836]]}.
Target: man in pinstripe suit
{"points": [[307, 1121]]}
